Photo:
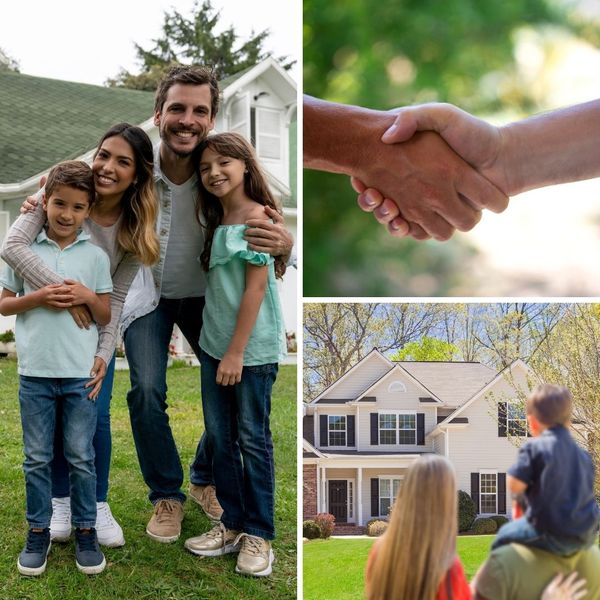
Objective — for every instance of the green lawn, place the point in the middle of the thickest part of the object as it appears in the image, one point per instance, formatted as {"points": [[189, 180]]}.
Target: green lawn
{"points": [[144, 569], [334, 569]]}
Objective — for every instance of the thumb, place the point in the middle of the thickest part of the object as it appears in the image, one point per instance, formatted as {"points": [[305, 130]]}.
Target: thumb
{"points": [[403, 128]]}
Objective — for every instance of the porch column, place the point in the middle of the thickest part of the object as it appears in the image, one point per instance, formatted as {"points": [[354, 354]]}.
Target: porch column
{"points": [[359, 496], [318, 486]]}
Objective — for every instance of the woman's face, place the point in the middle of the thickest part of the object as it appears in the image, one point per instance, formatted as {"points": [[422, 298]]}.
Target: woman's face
{"points": [[114, 167]]}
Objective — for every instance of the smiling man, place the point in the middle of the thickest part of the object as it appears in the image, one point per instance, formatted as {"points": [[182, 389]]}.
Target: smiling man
{"points": [[172, 293]]}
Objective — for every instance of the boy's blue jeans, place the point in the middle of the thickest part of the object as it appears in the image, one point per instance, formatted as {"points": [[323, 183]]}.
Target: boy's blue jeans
{"points": [[38, 399], [521, 531], [245, 473], [102, 444]]}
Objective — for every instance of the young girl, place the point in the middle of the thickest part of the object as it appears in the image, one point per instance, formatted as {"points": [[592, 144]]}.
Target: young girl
{"points": [[242, 340], [121, 222]]}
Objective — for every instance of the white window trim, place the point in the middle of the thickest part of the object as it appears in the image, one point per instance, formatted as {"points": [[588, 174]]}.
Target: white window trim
{"points": [[345, 430], [396, 386], [397, 430], [391, 479], [488, 472]]}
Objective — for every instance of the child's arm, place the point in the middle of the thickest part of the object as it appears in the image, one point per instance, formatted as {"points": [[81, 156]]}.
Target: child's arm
{"points": [[50, 296], [229, 371], [98, 304]]}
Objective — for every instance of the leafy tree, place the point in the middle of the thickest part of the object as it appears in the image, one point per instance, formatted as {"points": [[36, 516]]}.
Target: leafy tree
{"points": [[428, 348], [192, 40], [7, 63]]}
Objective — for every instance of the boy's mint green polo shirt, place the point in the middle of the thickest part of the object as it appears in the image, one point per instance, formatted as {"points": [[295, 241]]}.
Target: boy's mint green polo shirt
{"points": [[49, 343], [226, 283]]}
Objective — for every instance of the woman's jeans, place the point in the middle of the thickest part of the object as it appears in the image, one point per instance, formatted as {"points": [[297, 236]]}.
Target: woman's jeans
{"points": [[245, 474], [102, 444], [39, 398]]}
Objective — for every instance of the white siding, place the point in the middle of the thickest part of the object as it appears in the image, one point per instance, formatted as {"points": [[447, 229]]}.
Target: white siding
{"points": [[367, 475], [332, 410], [360, 379]]}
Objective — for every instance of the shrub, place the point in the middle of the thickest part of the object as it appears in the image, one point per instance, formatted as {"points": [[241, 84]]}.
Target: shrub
{"points": [[466, 511], [483, 526], [7, 337], [310, 530], [499, 520], [376, 527], [326, 522]]}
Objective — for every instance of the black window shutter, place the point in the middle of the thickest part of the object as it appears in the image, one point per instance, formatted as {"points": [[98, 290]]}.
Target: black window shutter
{"points": [[501, 493], [324, 434], [501, 419], [374, 497], [375, 429], [475, 490], [350, 431], [420, 429]]}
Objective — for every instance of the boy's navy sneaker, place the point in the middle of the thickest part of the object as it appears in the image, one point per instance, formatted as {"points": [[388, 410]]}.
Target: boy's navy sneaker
{"points": [[32, 560], [88, 557]]}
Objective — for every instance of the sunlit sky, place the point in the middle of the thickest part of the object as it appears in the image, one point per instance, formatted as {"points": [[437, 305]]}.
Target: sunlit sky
{"points": [[90, 41]]}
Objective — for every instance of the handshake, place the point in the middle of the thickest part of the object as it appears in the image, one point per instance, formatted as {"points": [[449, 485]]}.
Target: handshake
{"points": [[426, 171]]}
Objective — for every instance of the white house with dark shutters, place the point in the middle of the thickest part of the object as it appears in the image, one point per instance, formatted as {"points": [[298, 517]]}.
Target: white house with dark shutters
{"points": [[364, 431]]}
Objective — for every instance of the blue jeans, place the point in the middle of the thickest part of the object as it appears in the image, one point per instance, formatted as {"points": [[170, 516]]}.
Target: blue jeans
{"points": [[521, 531], [244, 474], [147, 348], [102, 444], [38, 399]]}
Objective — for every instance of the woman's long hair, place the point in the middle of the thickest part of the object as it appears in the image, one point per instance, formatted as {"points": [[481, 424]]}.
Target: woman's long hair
{"points": [[137, 234], [419, 546], [255, 187]]}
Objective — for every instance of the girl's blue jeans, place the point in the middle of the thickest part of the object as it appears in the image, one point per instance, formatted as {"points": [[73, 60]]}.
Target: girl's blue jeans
{"points": [[237, 425], [38, 399], [102, 444]]}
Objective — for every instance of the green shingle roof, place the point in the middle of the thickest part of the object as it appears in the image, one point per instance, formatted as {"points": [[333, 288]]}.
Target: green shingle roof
{"points": [[38, 128]]}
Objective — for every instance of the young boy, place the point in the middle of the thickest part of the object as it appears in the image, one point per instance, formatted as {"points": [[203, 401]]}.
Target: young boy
{"points": [[557, 478], [55, 359]]}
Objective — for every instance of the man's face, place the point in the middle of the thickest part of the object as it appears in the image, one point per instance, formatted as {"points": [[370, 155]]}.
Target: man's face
{"points": [[185, 118]]}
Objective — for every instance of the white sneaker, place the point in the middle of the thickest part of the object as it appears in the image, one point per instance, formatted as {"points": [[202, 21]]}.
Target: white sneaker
{"points": [[60, 523], [108, 530]]}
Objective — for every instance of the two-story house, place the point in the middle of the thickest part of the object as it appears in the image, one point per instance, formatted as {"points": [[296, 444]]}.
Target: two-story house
{"points": [[364, 431]]}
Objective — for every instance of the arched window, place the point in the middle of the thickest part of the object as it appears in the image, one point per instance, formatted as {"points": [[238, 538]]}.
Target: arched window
{"points": [[396, 386]]}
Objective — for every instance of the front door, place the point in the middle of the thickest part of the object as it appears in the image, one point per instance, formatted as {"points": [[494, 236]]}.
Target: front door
{"points": [[338, 500]]}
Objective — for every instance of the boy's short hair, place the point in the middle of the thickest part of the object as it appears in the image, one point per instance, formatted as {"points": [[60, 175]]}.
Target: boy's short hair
{"points": [[72, 173], [550, 404], [188, 75]]}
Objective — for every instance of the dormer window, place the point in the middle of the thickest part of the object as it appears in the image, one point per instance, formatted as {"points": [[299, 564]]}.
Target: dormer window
{"points": [[396, 386]]}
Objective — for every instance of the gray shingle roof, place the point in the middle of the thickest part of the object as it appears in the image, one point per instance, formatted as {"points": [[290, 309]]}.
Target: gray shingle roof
{"points": [[44, 121]]}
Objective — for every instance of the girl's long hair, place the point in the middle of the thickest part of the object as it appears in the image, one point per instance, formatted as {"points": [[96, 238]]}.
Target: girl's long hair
{"points": [[419, 546], [137, 234], [255, 187]]}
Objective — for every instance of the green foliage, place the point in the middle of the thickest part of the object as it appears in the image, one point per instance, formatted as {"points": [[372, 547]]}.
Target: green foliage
{"points": [[7, 336], [484, 526], [192, 40], [466, 511], [499, 520], [7, 62], [428, 348], [326, 523], [311, 530], [376, 527]]}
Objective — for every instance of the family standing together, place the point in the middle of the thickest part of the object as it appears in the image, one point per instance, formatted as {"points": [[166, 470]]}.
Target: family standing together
{"points": [[145, 241]]}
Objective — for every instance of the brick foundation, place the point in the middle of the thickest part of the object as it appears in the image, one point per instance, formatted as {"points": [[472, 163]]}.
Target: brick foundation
{"points": [[309, 491]]}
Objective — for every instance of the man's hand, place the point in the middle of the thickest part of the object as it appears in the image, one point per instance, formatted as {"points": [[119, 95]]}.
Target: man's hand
{"points": [[270, 237], [229, 371], [97, 375], [434, 189]]}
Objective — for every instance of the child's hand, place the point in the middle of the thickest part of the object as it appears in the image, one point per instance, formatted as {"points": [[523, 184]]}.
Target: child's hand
{"points": [[56, 296], [229, 371], [80, 293]]}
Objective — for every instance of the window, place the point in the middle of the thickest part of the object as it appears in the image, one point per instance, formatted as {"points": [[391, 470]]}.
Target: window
{"points": [[396, 386], [516, 420], [488, 493], [388, 490], [337, 430], [397, 428]]}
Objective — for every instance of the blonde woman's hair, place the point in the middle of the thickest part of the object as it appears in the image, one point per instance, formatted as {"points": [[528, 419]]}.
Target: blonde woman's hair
{"points": [[419, 546], [137, 233]]}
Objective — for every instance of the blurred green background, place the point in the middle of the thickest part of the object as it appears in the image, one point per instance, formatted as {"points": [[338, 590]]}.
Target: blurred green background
{"points": [[490, 58]]}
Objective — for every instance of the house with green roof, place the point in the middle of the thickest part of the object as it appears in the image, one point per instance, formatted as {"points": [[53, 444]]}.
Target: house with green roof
{"points": [[45, 121]]}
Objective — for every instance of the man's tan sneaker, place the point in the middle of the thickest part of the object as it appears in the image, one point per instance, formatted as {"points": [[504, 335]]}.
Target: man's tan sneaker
{"points": [[219, 540], [256, 556], [206, 497], [165, 524]]}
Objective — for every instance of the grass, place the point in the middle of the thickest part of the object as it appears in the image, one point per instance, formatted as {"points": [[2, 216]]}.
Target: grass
{"points": [[144, 569], [335, 568]]}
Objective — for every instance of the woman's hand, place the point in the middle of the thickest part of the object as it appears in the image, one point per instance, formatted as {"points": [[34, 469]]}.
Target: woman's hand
{"points": [[229, 371], [31, 202], [81, 315], [97, 374], [564, 587]]}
